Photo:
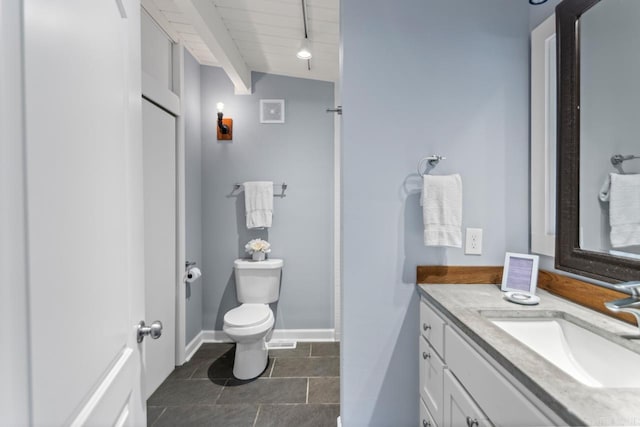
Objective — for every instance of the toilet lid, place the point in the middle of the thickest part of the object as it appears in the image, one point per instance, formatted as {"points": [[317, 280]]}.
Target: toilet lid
{"points": [[247, 315]]}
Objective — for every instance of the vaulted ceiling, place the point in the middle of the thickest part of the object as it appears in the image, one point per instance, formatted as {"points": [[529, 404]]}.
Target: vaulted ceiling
{"points": [[254, 35]]}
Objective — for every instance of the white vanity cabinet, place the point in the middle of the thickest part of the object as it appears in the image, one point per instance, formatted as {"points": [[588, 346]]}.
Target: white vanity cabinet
{"points": [[459, 386], [431, 363]]}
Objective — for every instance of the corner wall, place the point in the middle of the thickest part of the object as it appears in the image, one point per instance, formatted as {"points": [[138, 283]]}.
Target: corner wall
{"points": [[298, 152], [447, 77], [193, 192]]}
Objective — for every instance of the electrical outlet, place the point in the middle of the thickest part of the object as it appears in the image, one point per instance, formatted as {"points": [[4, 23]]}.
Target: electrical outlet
{"points": [[473, 245]]}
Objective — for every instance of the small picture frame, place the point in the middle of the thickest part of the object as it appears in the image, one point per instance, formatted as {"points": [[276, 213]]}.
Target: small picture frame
{"points": [[272, 111], [520, 273]]}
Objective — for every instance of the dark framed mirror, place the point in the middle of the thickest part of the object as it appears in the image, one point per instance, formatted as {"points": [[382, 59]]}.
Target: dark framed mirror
{"points": [[598, 119]]}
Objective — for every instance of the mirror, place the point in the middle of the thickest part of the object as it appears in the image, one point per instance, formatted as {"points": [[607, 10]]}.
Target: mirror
{"points": [[598, 217]]}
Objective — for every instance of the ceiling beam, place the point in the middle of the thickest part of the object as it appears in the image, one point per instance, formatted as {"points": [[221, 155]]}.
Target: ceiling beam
{"points": [[207, 21]]}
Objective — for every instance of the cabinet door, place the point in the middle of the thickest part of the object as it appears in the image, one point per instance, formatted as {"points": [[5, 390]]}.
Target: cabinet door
{"points": [[432, 328], [505, 404], [431, 371], [425, 417], [459, 409]]}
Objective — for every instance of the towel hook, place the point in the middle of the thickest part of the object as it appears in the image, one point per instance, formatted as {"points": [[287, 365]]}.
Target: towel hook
{"points": [[433, 161]]}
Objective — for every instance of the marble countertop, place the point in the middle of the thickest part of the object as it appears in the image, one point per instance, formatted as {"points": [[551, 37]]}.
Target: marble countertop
{"points": [[574, 402]]}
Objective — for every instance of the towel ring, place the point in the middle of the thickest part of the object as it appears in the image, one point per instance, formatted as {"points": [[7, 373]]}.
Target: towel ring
{"points": [[433, 161]]}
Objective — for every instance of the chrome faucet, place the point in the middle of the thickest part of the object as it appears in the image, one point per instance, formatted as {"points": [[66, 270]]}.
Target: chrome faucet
{"points": [[627, 305]]}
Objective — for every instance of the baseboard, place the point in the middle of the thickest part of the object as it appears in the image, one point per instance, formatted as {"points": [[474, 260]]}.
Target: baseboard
{"points": [[304, 335], [300, 335], [215, 336], [193, 346]]}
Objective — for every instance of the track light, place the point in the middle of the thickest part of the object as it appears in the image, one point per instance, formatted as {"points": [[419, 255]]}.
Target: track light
{"points": [[304, 52]]}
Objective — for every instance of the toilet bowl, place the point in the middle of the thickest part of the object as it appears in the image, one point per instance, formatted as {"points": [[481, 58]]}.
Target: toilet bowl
{"points": [[257, 285]]}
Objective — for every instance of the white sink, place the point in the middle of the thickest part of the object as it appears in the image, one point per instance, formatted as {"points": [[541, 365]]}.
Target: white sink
{"points": [[588, 357]]}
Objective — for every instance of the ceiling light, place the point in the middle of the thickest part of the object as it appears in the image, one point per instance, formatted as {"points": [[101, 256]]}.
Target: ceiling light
{"points": [[304, 52]]}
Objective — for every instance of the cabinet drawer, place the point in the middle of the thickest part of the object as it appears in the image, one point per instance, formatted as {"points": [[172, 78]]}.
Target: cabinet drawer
{"points": [[431, 371], [505, 405], [432, 328], [459, 408], [425, 417]]}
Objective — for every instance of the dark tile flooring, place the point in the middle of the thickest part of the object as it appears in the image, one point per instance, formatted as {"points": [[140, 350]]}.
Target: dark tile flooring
{"points": [[300, 387]]}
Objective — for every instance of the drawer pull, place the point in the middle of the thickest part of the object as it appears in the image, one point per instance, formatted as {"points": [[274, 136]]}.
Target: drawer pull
{"points": [[426, 355], [471, 422], [426, 423], [425, 327]]}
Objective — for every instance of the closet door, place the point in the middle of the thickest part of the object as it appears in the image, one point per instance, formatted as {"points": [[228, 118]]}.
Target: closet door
{"points": [[159, 136]]}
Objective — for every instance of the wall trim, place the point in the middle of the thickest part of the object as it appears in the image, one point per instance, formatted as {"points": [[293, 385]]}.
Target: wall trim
{"points": [[301, 335], [191, 348], [337, 210]]}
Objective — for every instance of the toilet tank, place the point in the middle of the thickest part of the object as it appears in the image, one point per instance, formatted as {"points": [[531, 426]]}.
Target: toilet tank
{"points": [[258, 282]]}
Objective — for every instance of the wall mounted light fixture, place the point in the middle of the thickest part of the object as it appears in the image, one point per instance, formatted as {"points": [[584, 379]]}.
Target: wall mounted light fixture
{"points": [[225, 126]]}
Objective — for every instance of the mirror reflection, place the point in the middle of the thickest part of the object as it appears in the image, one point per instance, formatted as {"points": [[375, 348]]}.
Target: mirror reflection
{"points": [[609, 40]]}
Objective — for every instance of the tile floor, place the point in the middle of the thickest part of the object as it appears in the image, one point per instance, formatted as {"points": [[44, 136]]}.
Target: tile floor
{"points": [[300, 387]]}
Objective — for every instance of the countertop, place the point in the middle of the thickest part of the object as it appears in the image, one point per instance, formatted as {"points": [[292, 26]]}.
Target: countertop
{"points": [[574, 402]]}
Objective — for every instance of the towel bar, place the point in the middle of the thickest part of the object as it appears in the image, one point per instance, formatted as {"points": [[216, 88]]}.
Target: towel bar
{"points": [[283, 186], [617, 159], [433, 161]]}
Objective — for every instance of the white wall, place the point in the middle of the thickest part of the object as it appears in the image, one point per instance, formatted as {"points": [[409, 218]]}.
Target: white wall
{"points": [[14, 324], [420, 77]]}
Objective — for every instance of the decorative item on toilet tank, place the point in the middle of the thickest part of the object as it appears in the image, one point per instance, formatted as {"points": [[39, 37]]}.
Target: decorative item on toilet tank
{"points": [[258, 249]]}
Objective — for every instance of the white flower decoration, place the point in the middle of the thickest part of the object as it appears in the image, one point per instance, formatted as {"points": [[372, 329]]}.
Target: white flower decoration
{"points": [[257, 245]]}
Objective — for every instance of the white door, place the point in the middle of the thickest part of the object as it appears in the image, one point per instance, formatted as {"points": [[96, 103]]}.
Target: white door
{"points": [[159, 136], [84, 202]]}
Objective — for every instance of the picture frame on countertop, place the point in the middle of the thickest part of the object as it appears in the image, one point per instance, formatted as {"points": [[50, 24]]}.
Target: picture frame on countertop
{"points": [[520, 273]]}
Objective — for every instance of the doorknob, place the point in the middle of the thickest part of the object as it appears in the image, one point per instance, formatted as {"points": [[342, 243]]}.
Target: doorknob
{"points": [[154, 331]]}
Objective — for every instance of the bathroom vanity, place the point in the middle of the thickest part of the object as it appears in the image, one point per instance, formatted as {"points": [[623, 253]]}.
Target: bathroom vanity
{"points": [[485, 361]]}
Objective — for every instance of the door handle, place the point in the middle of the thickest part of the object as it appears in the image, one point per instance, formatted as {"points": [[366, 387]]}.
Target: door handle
{"points": [[472, 422], [154, 330]]}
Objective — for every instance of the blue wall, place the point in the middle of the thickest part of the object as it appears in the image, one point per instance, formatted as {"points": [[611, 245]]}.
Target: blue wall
{"points": [[420, 77], [300, 152], [193, 191]]}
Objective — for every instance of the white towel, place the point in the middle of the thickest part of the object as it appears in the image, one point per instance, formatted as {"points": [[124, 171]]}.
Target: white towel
{"points": [[624, 210], [605, 190], [442, 210], [258, 203]]}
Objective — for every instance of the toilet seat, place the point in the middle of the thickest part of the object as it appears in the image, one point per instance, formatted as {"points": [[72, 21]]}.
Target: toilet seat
{"points": [[247, 315]]}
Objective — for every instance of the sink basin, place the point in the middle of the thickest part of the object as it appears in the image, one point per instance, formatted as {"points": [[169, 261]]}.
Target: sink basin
{"points": [[587, 356]]}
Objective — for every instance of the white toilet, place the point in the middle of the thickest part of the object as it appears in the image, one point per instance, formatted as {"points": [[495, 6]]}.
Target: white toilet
{"points": [[257, 285]]}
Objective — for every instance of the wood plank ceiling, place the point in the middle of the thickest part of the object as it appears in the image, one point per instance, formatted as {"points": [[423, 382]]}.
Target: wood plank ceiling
{"points": [[267, 33]]}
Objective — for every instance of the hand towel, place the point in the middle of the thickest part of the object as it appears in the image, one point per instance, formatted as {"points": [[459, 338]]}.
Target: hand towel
{"points": [[258, 203], [605, 190], [442, 210], [624, 210]]}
